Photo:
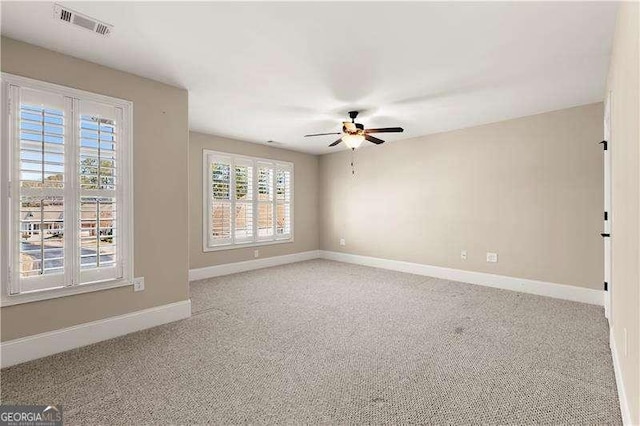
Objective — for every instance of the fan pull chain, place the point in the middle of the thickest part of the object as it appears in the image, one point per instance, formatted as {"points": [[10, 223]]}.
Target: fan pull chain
{"points": [[353, 169]]}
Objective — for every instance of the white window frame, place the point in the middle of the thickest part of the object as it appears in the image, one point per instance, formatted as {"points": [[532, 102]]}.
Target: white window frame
{"points": [[10, 191], [207, 202]]}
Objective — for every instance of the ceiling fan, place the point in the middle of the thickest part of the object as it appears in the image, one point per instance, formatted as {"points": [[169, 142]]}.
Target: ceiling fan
{"points": [[353, 134]]}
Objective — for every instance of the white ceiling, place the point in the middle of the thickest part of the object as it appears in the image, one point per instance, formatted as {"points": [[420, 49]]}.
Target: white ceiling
{"points": [[261, 71]]}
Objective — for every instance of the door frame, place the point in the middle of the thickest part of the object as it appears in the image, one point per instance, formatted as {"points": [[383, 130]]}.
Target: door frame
{"points": [[608, 216]]}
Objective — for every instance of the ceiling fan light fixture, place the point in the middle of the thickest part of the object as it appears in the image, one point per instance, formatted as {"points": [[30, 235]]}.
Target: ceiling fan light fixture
{"points": [[353, 141], [353, 134]]}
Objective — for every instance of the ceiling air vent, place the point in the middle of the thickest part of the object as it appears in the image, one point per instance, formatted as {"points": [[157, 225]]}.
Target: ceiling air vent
{"points": [[65, 15], [70, 16], [102, 29]]}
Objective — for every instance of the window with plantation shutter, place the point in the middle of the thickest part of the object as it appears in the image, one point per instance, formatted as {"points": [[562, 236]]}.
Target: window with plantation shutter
{"points": [[40, 140], [265, 201], [98, 180], [243, 193], [283, 201], [220, 213], [247, 201], [67, 206]]}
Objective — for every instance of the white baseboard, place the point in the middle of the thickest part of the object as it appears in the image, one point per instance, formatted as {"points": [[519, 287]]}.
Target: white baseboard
{"points": [[622, 395], [29, 348], [558, 291], [248, 265]]}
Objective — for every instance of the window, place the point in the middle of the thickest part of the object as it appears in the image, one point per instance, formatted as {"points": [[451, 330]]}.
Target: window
{"points": [[67, 208], [247, 201]]}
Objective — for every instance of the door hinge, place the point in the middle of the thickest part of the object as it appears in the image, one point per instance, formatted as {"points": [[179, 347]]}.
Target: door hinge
{"points": [[9, 188], [9, 105], [9, 274], [604, 143], [606, 215], [606, 286], [605, 235]]}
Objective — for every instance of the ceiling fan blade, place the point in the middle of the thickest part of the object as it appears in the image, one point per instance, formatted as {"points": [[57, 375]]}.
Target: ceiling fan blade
{"points": [[385, 130], [373, 139], [336, 142], [323, 134]]}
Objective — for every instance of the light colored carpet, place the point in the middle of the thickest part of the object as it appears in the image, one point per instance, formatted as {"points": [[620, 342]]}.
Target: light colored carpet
{"points": [[327, 342]]}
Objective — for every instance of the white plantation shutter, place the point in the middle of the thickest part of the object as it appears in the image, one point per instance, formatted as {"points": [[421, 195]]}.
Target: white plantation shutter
{"points": [[219, 215], [69, 208], [265, 201], [283, 201], [40, 220], [247, 200], [98, 182], [243, 207]]}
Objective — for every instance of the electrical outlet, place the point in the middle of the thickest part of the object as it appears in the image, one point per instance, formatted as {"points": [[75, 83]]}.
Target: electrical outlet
{"points": [[256, 253], [138, 284], [492, 257], [463, 255], [343, 242]]}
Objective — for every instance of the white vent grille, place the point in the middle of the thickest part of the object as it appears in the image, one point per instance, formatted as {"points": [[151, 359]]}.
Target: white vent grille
{"points": [[65, 15], [72, 17], [102, 29]]}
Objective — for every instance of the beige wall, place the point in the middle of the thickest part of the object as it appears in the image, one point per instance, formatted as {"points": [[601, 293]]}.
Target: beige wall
{"points": [[625, 196], [529, 189], [160, 138], [305, 200]]}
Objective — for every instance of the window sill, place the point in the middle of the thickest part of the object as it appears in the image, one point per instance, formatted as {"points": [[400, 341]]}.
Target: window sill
{"points": [[54, 293], [246, 245]]}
